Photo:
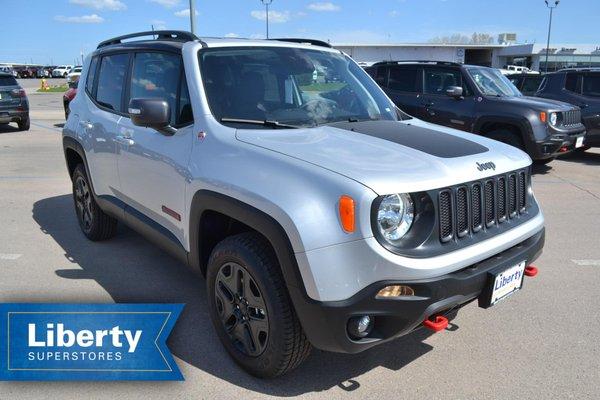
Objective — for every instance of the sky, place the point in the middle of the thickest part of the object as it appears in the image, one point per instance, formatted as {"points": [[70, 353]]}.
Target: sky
{"points": [[58, 31]]}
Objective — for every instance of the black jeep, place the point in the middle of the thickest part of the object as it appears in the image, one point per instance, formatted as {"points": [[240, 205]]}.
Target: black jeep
{"points": [[481, 100], [580, 87]]}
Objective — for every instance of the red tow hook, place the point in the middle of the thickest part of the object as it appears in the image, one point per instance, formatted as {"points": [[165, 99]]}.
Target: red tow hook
{"points": [[439, 323], [531, 271]]}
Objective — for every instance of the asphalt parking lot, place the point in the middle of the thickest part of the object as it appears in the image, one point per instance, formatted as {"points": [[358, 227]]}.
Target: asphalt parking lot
{"points": [[540, 344]]}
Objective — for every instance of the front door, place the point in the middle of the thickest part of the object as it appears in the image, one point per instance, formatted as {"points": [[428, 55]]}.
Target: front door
{"points": [[441, 109], [153, 166]]}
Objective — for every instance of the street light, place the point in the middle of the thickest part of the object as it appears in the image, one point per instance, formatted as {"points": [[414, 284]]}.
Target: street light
{"points": [[551, 7], [267, 3], [193, 16]]}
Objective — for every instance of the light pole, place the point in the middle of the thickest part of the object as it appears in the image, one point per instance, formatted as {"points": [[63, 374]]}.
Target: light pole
{"points": [[551, 7], [267, 3], [193, 16]]}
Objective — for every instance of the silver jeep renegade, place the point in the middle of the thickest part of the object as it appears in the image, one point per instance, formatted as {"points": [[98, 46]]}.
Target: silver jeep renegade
{"points": [[320, 214]]}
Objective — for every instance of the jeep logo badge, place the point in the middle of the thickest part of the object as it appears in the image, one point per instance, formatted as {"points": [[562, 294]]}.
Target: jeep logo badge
{"points": [[486, 166]]}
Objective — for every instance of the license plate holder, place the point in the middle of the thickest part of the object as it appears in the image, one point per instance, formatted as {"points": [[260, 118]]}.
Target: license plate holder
{"points": [[501, 283]]}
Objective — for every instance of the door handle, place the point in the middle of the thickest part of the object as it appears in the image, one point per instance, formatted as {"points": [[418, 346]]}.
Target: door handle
{"points": [[86, 124], [127, 141]]}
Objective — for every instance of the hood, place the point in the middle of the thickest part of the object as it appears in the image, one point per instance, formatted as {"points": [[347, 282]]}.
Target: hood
{"points": [[539, 104], [390, 156]]}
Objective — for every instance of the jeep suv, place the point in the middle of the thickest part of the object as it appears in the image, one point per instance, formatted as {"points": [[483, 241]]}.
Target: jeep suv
{"points": [[580, 87], [319, 214], [481, 100]]}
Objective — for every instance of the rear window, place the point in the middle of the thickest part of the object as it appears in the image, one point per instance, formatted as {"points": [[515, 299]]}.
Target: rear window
{"points": [[403, 79], [8, 81], [591, 85]]}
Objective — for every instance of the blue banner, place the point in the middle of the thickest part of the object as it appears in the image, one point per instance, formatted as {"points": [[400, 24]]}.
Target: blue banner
{"points": [[87, 342]]}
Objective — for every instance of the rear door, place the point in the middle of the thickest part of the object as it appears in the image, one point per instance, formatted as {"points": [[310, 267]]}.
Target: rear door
{"points": [[7, 100], [438, 107], [403, 85], [153, 166]]}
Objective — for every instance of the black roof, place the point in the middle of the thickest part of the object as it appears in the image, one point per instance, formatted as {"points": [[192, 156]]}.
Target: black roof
{"points": [[433, 62], [580, 69]]}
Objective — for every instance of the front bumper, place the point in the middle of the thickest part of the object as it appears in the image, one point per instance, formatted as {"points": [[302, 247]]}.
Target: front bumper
{"points": [[325, 323], [557, 142]]}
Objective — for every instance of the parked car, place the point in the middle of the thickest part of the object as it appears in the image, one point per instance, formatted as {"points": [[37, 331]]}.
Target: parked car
{"points": [[73, 75], [580, 87], [517, 69], [527, 84], [22, 72], [481, 100], [321, 217], [61, 71], [14, 106], [68, 96], [44, 72]]}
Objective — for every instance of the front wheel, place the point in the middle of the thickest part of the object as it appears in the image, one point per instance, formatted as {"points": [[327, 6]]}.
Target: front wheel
{"points": [[251, 308]]}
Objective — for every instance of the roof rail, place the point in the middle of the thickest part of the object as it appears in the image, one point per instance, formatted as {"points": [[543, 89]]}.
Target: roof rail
{"points": [[579, 69], [180, 36], [314, 42], [418, 62]]}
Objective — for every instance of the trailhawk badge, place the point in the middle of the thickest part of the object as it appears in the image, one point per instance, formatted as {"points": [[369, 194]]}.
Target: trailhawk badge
{"points": [[485, 166]]}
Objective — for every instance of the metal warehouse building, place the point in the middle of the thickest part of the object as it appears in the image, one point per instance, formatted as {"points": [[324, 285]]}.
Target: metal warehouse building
{"points": [[530, 55]]}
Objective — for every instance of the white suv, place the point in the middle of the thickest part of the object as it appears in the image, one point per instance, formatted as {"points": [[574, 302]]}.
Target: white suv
{"points": [[319, 213], [61, 71]]}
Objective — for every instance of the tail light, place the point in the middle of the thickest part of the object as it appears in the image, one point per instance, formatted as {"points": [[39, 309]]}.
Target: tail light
{"points": [[18, 93]]}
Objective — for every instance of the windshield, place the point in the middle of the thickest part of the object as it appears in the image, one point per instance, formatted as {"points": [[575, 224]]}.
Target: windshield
{"points": [[292, 86], [491, 82]]}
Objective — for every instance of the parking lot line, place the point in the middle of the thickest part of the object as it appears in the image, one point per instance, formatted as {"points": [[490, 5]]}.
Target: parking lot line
{"points": [[587, 262], [9, 256]]}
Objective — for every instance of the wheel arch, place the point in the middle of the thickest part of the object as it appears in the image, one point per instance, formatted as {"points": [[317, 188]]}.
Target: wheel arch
{"points": [[519, 126]]}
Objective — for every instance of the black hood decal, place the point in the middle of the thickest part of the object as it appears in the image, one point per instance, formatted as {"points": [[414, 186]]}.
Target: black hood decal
{"points": [[432, 142]]}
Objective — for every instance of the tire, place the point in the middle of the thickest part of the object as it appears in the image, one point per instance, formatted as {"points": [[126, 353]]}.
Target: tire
{"points": [[277, 343], [24, 125], [508, 137], [94, 223], [66, 110]]}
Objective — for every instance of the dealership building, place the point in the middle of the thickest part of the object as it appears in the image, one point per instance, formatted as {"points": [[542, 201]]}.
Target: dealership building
{"points": [[531, 55]]}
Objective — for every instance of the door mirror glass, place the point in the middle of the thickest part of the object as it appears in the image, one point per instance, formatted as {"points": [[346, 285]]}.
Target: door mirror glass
{"points": [[151, 113], [454, 91]]}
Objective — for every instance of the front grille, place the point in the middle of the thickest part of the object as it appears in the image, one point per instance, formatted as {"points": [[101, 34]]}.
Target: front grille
{"points": [[571, 117], [481, 205]]}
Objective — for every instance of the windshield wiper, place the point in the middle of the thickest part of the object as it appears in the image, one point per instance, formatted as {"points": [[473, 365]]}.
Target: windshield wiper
{"points": [[266, 122]]}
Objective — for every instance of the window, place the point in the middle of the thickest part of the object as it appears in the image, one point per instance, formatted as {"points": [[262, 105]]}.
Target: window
{"points": [[438, 80], [381, 75], [156, 75], [403, 79], [111, 81], [8, 81], [185, 115], [531, 84], [591, 85], [89, 83], [573, 83]]}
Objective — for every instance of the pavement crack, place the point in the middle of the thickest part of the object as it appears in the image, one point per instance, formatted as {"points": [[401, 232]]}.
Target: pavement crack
{"points": [[594, 195]]}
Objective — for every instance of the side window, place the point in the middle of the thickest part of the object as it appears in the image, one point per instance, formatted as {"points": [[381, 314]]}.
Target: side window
{"points": [[531, 84], [185, 115], [437, 80], [591, 85], [381, 76], [573, 83], [403, 79], [111, 81], [89, 82], [156, 75]]}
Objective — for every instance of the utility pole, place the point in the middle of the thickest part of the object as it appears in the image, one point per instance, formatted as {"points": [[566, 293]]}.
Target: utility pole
{"points": [[193, 16], [267, 3], [551, 7]]}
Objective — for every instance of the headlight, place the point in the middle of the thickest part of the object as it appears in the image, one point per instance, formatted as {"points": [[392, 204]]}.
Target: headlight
{"points": [[553, 118], [395, 216]]}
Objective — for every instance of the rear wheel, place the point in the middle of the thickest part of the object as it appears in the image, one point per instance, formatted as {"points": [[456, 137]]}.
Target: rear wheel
{"points": [[251, 308], [24, 124], [94, 223]]}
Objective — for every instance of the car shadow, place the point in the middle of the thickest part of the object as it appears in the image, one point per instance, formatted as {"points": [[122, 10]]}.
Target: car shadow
{"points": [[131, 270], [585, 157], [8, 128]]}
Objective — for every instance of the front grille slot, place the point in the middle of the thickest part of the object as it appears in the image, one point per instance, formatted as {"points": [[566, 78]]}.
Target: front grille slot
{"points": [[571, 117], [489, 204], [445, 211], [501, 200], [476, 208], [462, 211], [482, 205], [512, 195]]}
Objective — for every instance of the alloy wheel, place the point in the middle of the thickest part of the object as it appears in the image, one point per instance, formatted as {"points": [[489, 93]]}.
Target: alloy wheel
{"points": [[83, 203]]}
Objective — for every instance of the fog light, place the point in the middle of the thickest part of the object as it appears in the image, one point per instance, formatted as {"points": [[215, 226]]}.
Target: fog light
{"points": [[395, 291], [360, 327]]}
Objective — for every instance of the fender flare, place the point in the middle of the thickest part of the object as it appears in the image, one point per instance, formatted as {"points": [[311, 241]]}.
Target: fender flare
{"points": [[271, 229], [521, 123]]}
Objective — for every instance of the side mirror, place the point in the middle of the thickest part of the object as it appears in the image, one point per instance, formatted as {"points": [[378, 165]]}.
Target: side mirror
{"points": [[151, 113], [454, 91]]}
